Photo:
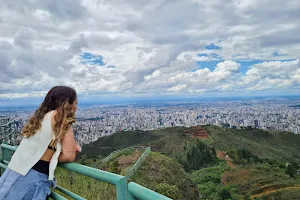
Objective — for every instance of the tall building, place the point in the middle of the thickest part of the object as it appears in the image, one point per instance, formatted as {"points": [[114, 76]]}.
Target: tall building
{"points": [[256, 125]]}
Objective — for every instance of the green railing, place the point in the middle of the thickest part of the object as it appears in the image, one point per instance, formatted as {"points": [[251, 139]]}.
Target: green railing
{"points": [[130, 171], [8, 130], [124, 190]]}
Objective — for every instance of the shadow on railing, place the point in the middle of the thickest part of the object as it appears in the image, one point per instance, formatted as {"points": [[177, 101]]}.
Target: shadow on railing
{"points": [[124, 190]]}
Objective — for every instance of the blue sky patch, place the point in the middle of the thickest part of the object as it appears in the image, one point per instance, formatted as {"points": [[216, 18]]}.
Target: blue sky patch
{"points": [[212, 46], [276, 54], [203, 54], [245, 64], [211, 65], [92, 59]]}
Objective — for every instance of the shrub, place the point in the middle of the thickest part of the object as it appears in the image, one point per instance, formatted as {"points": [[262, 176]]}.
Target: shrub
{"points": [[171, 191]]}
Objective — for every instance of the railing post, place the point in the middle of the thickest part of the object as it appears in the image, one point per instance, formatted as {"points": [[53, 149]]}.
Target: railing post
{"points": [[1, 158], [121, 188]]}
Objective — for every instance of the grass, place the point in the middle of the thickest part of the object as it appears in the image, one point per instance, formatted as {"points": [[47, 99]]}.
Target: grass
{"points": [[160, 169], [104, 146], [256, 179], [86, 187], [281, 146], [281, 194], [171, 141], [208, 180], [161, 172]]}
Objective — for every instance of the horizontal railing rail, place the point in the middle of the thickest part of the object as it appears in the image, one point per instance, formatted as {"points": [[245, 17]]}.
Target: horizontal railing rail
{"points": [[124, 190], [8, 123]]}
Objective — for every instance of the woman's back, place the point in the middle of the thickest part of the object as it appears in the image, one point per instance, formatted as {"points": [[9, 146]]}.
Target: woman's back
{"points": [[31, 149], [48, 139]]}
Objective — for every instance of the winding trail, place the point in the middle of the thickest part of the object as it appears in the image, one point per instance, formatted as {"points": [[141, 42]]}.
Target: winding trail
{"points": [[266, 192], [222, 155]]}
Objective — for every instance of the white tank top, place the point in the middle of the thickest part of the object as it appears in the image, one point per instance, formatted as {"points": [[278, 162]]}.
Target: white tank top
{"points": [[32, 149]]}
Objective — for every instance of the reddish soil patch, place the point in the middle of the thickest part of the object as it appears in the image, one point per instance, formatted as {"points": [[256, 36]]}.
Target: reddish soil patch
{"points": [[197, 132]]}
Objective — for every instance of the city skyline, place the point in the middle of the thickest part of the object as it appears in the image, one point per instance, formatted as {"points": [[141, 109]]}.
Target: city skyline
{"points": [[144, 49], [98, 121]]}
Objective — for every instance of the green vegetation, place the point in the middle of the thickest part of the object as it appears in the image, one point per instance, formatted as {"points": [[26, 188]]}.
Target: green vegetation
{"points": [[171, 141], [266, 164], [165, 175], [281, 195], [197, 156], [168, 190], [84, 186], [280, 146], [208, 181], [252, 180], [119, 140], [292, 169]]}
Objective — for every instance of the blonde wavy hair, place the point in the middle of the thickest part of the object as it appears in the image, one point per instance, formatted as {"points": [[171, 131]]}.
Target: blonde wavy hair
{"points": [[59, 98]]}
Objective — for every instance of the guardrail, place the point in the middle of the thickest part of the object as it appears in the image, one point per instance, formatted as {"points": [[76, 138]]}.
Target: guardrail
{"points": [[124, 190], [8, 129], [130, 171]]}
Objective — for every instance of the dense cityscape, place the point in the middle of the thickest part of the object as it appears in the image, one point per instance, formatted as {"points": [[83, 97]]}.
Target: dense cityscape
{"points": [[98, 121]]}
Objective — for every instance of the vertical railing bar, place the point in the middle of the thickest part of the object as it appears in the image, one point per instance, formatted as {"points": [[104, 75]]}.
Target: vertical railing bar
{"points": [[121, 189]]}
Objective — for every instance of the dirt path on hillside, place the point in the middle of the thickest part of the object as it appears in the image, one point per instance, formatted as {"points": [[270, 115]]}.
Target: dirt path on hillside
{"points": [[272, 190], [224, 178], [222, 155]]}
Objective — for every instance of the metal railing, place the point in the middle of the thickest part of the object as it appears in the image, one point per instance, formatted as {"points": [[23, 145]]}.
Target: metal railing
{"points": [[130, 171], [8, 129], [124, 190]]}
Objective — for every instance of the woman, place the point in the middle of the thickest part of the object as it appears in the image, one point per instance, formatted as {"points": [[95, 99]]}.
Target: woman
{"points": [[48, 139]]}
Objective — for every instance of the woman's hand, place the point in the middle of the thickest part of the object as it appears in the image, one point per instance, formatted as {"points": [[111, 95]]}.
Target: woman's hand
{"points": [[78, 148]]}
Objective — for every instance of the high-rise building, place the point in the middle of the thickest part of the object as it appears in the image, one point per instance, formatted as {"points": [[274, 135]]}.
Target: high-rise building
{"points": [[256, 125]]}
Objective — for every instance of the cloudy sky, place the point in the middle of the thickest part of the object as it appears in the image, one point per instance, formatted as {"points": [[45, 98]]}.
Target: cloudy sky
{"points": [[150, 47]]}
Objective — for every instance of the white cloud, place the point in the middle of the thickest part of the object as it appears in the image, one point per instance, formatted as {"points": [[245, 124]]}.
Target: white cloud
{"points": [[272, 75], [177, 88], [153, 46]]}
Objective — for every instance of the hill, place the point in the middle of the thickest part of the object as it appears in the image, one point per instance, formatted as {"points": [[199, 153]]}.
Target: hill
{"points": [[159, 173], [281, 146], [105, 145], [165, 175], [251, 163]]}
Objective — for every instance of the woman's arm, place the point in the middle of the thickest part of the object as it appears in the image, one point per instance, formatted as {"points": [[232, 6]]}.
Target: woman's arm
{"points": [[69, 147]]}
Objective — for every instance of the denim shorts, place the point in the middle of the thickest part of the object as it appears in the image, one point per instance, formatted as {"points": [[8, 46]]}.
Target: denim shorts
{"points": [[33, 186]]}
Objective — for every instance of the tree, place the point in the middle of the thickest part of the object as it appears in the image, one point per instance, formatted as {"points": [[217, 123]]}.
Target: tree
{"points": [[198, 155], [213, 151], [225, 194], [290, 170]]}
